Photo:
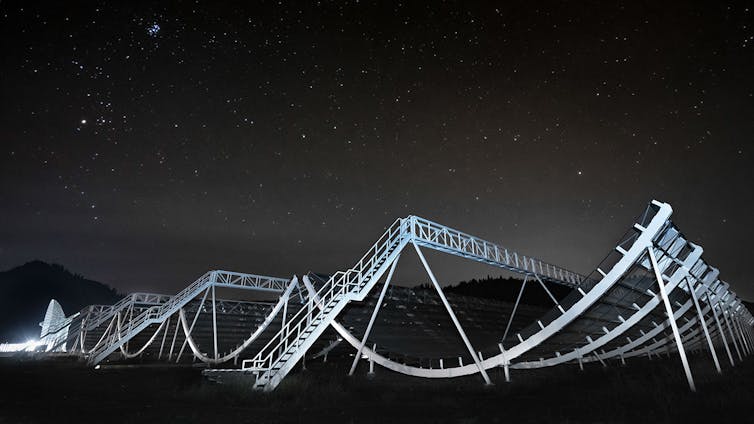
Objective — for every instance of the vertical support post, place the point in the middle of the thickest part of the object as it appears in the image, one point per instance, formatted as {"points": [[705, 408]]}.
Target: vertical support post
{"points": [[515, 307], [506, 364], [164, 336], [743, 334], [622, 360], [172, 345], [719, 327], [214, 320], [377, 307], [371, 360], [581, 363], [466, 341], [130, 315], [730, 330], [671, 318], [748, 334], [198, 311], [604, 364], [744, 342], [703, 324]]}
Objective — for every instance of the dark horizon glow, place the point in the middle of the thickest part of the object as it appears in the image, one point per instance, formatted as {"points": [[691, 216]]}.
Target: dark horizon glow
{"points": [[143, 145]]}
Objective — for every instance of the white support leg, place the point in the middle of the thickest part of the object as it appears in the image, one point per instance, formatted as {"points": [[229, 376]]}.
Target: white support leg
{"points": [[744, 343], [214, 321], [172, 345], [191, 329], [515, 307], [374, 316], [730, 331], [164, 336], [720, 328], [472, 352], [671, 319], [747, 333], [604, 364], [703, 324], [743, 336], [506, 364], [371, 361], [549, 293]]}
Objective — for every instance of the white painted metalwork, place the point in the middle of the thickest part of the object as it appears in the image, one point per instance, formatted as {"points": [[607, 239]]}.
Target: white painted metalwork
{"points": [[453, 317], [653, 231], [654, 280], [281, 304], [159, 313], [673, 325]]}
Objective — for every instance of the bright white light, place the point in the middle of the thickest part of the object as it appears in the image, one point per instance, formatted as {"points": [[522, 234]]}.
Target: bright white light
{"points": [[83, 121], [29, 346]]}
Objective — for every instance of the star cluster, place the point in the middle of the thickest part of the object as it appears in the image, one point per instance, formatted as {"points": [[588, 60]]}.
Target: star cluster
{"points": [[145, 144]]}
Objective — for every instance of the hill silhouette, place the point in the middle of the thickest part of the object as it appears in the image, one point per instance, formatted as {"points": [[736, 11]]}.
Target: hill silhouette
{"points": [[25, 292], [506, 289]]}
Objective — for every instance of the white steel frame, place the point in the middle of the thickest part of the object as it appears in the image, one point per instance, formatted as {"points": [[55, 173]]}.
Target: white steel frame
{"points": [[699, 309], [657, 247]]}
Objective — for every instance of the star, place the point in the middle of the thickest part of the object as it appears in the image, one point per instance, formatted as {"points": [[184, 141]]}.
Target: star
{"points": [[153, 29]]}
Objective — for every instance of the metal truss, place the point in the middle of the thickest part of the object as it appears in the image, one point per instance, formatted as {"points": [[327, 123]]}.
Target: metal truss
{"points": [[286, 348], [119, 332], [652, 269], [281, 305], [57, 338], [653, 294]]}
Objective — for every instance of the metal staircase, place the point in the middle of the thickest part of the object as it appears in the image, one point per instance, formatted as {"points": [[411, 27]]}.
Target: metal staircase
{"points": [[273, 362], [159, 313]]}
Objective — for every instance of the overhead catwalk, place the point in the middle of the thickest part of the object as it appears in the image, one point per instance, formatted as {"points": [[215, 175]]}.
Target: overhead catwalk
{"points": [[652, 294], [618, 310]]}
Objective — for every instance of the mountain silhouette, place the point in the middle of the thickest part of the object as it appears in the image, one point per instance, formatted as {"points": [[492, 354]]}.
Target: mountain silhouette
{"points": [[507, 289], [25, 292]]}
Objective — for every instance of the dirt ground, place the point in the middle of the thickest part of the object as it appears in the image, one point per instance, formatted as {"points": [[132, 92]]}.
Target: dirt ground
{"points": [[644, 391]]}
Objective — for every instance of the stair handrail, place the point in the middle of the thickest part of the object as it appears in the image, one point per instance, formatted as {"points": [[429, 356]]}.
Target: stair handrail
{"points": [[339, 284]]}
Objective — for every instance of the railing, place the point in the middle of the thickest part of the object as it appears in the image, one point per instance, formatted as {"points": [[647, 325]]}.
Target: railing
{"points": [[157, 312], [341, 284], [103, 313], [351, 283], [456, 242]]}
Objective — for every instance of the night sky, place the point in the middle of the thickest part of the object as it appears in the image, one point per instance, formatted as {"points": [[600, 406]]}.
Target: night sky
{"points": [[145, 144]]}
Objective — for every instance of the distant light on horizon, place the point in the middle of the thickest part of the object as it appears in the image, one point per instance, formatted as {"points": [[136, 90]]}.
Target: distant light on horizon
{"points": [[28, 346]]}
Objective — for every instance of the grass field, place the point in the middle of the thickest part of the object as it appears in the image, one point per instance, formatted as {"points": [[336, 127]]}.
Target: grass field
{"points": [[644, 391]]}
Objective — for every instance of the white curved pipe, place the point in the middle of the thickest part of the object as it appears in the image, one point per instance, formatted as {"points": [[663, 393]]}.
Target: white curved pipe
{"points": [[618, 270], [146, 345], [82, 336], [268, 320]]}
